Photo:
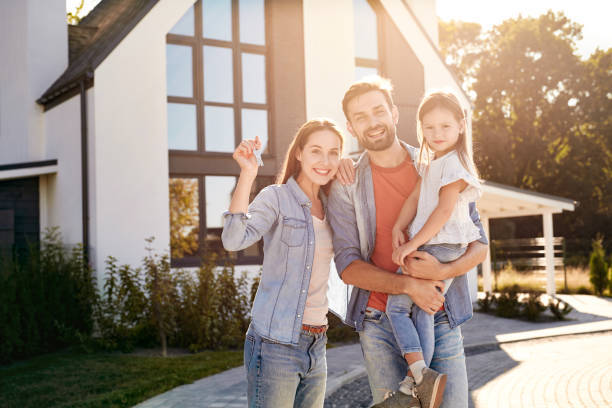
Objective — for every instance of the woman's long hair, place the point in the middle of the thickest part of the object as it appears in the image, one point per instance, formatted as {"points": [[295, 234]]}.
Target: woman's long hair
{"points": [[445, 100], [291, 165]]}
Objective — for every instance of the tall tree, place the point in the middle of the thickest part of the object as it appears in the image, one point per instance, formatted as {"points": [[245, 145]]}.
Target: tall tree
{"points": [[542, 115]]}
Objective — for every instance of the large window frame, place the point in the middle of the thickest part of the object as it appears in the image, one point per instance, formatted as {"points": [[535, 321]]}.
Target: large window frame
{"points": [[369, 62], [199, 163]]}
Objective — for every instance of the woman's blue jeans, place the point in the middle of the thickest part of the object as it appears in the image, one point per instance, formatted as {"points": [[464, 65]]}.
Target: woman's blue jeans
{"points": [[281, 375]]}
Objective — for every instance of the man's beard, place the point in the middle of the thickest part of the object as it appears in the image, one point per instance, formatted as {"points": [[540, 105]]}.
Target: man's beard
{"points": [[379, 144]]}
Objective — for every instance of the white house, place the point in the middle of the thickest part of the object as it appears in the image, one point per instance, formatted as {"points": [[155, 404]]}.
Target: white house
{"points": [[116, 127]]}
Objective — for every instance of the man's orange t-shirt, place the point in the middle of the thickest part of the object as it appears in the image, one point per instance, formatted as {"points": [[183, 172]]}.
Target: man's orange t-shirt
{"points": [[392, 186]]}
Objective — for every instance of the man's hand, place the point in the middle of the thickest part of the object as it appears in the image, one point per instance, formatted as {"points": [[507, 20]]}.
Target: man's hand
{"points": [[426, 294], [422, 265], [346, 172]]}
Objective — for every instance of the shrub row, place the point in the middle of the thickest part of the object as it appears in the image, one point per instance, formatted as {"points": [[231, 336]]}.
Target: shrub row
{"points": [[509, 304], [49, 300]]}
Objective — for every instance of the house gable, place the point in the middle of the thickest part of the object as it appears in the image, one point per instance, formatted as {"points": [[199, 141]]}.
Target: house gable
{"points": [[97, 36]]}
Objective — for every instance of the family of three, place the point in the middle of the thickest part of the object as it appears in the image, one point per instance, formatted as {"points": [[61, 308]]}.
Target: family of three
{"points": [[402, 229]]}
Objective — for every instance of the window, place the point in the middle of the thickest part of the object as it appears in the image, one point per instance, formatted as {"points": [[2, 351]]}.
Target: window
{"points": [[196, 218], [216, 64], [367, 61], [216, 78]]}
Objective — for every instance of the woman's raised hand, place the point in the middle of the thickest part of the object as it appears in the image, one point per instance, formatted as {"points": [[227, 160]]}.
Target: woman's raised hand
{"points": [[245, 157]]}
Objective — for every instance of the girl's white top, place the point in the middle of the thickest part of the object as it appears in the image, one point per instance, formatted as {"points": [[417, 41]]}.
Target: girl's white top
{"points": [[460, 228], [315, 312]]}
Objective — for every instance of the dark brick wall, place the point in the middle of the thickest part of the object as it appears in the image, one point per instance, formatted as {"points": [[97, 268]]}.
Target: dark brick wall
{"points": [[19, 213]]}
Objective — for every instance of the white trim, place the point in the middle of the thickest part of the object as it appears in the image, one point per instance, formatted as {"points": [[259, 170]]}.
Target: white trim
{"points": [[557, 204], [547, 221], [486, 265], [28, 172]]}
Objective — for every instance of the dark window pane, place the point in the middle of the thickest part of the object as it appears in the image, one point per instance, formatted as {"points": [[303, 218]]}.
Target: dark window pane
{"points": [[255, 123], [366, 38], [218, 77], [185, 25], [182, 134], [179, 76], [253, 78], [217, 19], [219, 190], [219, 129], [361, 72], [252, 22], [184, 217]]}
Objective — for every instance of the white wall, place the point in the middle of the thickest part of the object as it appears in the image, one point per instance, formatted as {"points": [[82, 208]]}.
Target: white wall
{"points": [[130, 143], [425, 11], [329, 58], [437, 74], [62, 193], [34, 46]]}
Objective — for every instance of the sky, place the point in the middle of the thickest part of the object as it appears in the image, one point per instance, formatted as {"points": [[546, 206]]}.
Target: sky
{"points": [[594, 15]]}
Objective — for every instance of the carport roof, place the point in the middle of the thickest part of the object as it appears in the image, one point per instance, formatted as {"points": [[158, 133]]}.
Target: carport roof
{"points": [[501, 201]]}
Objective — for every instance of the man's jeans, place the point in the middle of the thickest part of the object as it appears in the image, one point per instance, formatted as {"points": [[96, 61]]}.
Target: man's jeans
{"points": [[386, 365], [413, 328], [281, 375]]}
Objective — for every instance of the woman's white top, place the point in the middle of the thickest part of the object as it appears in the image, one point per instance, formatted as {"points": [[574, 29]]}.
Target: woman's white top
{"points": [[315, 312], [460, 228]]}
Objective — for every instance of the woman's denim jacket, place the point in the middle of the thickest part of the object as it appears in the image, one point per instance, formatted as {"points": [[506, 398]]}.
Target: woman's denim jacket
{"points": [[281, 215], [351, 212]]}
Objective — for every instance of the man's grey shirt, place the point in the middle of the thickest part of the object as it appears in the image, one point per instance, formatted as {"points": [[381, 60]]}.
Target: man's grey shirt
{"points": [[351, 212]]}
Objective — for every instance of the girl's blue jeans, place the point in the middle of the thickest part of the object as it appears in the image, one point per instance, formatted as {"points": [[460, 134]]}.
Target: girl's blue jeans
{"points": [[414, 328], [281, 375]]}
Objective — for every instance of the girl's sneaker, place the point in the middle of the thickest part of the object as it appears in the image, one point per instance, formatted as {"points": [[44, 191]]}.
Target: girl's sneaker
{"points": [[431, 388]]}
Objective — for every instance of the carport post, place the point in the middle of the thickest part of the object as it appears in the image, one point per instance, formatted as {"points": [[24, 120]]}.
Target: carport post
{"points": [[549, 253], [486, 265]]}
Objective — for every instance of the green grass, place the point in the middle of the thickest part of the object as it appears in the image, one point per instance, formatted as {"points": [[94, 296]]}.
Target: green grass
{"points": [[71, 379]]}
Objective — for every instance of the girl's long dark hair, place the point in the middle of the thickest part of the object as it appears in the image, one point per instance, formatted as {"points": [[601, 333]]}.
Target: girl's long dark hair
{"points": [[291, 165]]}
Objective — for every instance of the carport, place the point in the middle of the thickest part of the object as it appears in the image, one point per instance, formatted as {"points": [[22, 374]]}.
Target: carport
{"points": [[501, 201]]}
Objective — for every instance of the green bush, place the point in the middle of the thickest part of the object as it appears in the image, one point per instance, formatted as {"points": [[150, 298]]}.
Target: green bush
{"points": [[598, 267], [339, 332], [508, 304], [485, 304], [559, 308], [532, 307], [46, 299], [214, 307]]}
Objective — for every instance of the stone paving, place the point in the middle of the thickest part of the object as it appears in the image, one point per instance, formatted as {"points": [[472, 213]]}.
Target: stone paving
{"points": [[573, 371], [560, 372], [506, 367]]}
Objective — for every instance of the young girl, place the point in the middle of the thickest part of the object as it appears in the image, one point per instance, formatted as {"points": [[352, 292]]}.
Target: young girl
{"points": [[438, 215], [284, 350]]}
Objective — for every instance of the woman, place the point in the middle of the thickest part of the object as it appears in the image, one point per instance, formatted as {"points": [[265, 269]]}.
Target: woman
{"points": [[284, 350]]}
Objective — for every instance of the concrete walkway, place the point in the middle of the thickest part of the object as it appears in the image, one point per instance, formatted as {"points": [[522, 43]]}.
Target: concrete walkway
{"points": [[345, 363]]}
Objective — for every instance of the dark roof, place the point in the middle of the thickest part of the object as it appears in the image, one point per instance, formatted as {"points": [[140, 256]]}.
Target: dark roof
{"points": [[91, 41]]}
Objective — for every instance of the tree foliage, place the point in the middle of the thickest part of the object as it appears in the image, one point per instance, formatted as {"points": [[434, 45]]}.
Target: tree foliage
{"points": [[541, 114]]}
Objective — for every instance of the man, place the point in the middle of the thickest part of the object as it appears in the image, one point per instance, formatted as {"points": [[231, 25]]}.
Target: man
{"points": [[362, 215]]}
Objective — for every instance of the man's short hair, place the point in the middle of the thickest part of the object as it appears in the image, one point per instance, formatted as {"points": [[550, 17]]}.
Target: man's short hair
{"points": [[367, 84]]}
